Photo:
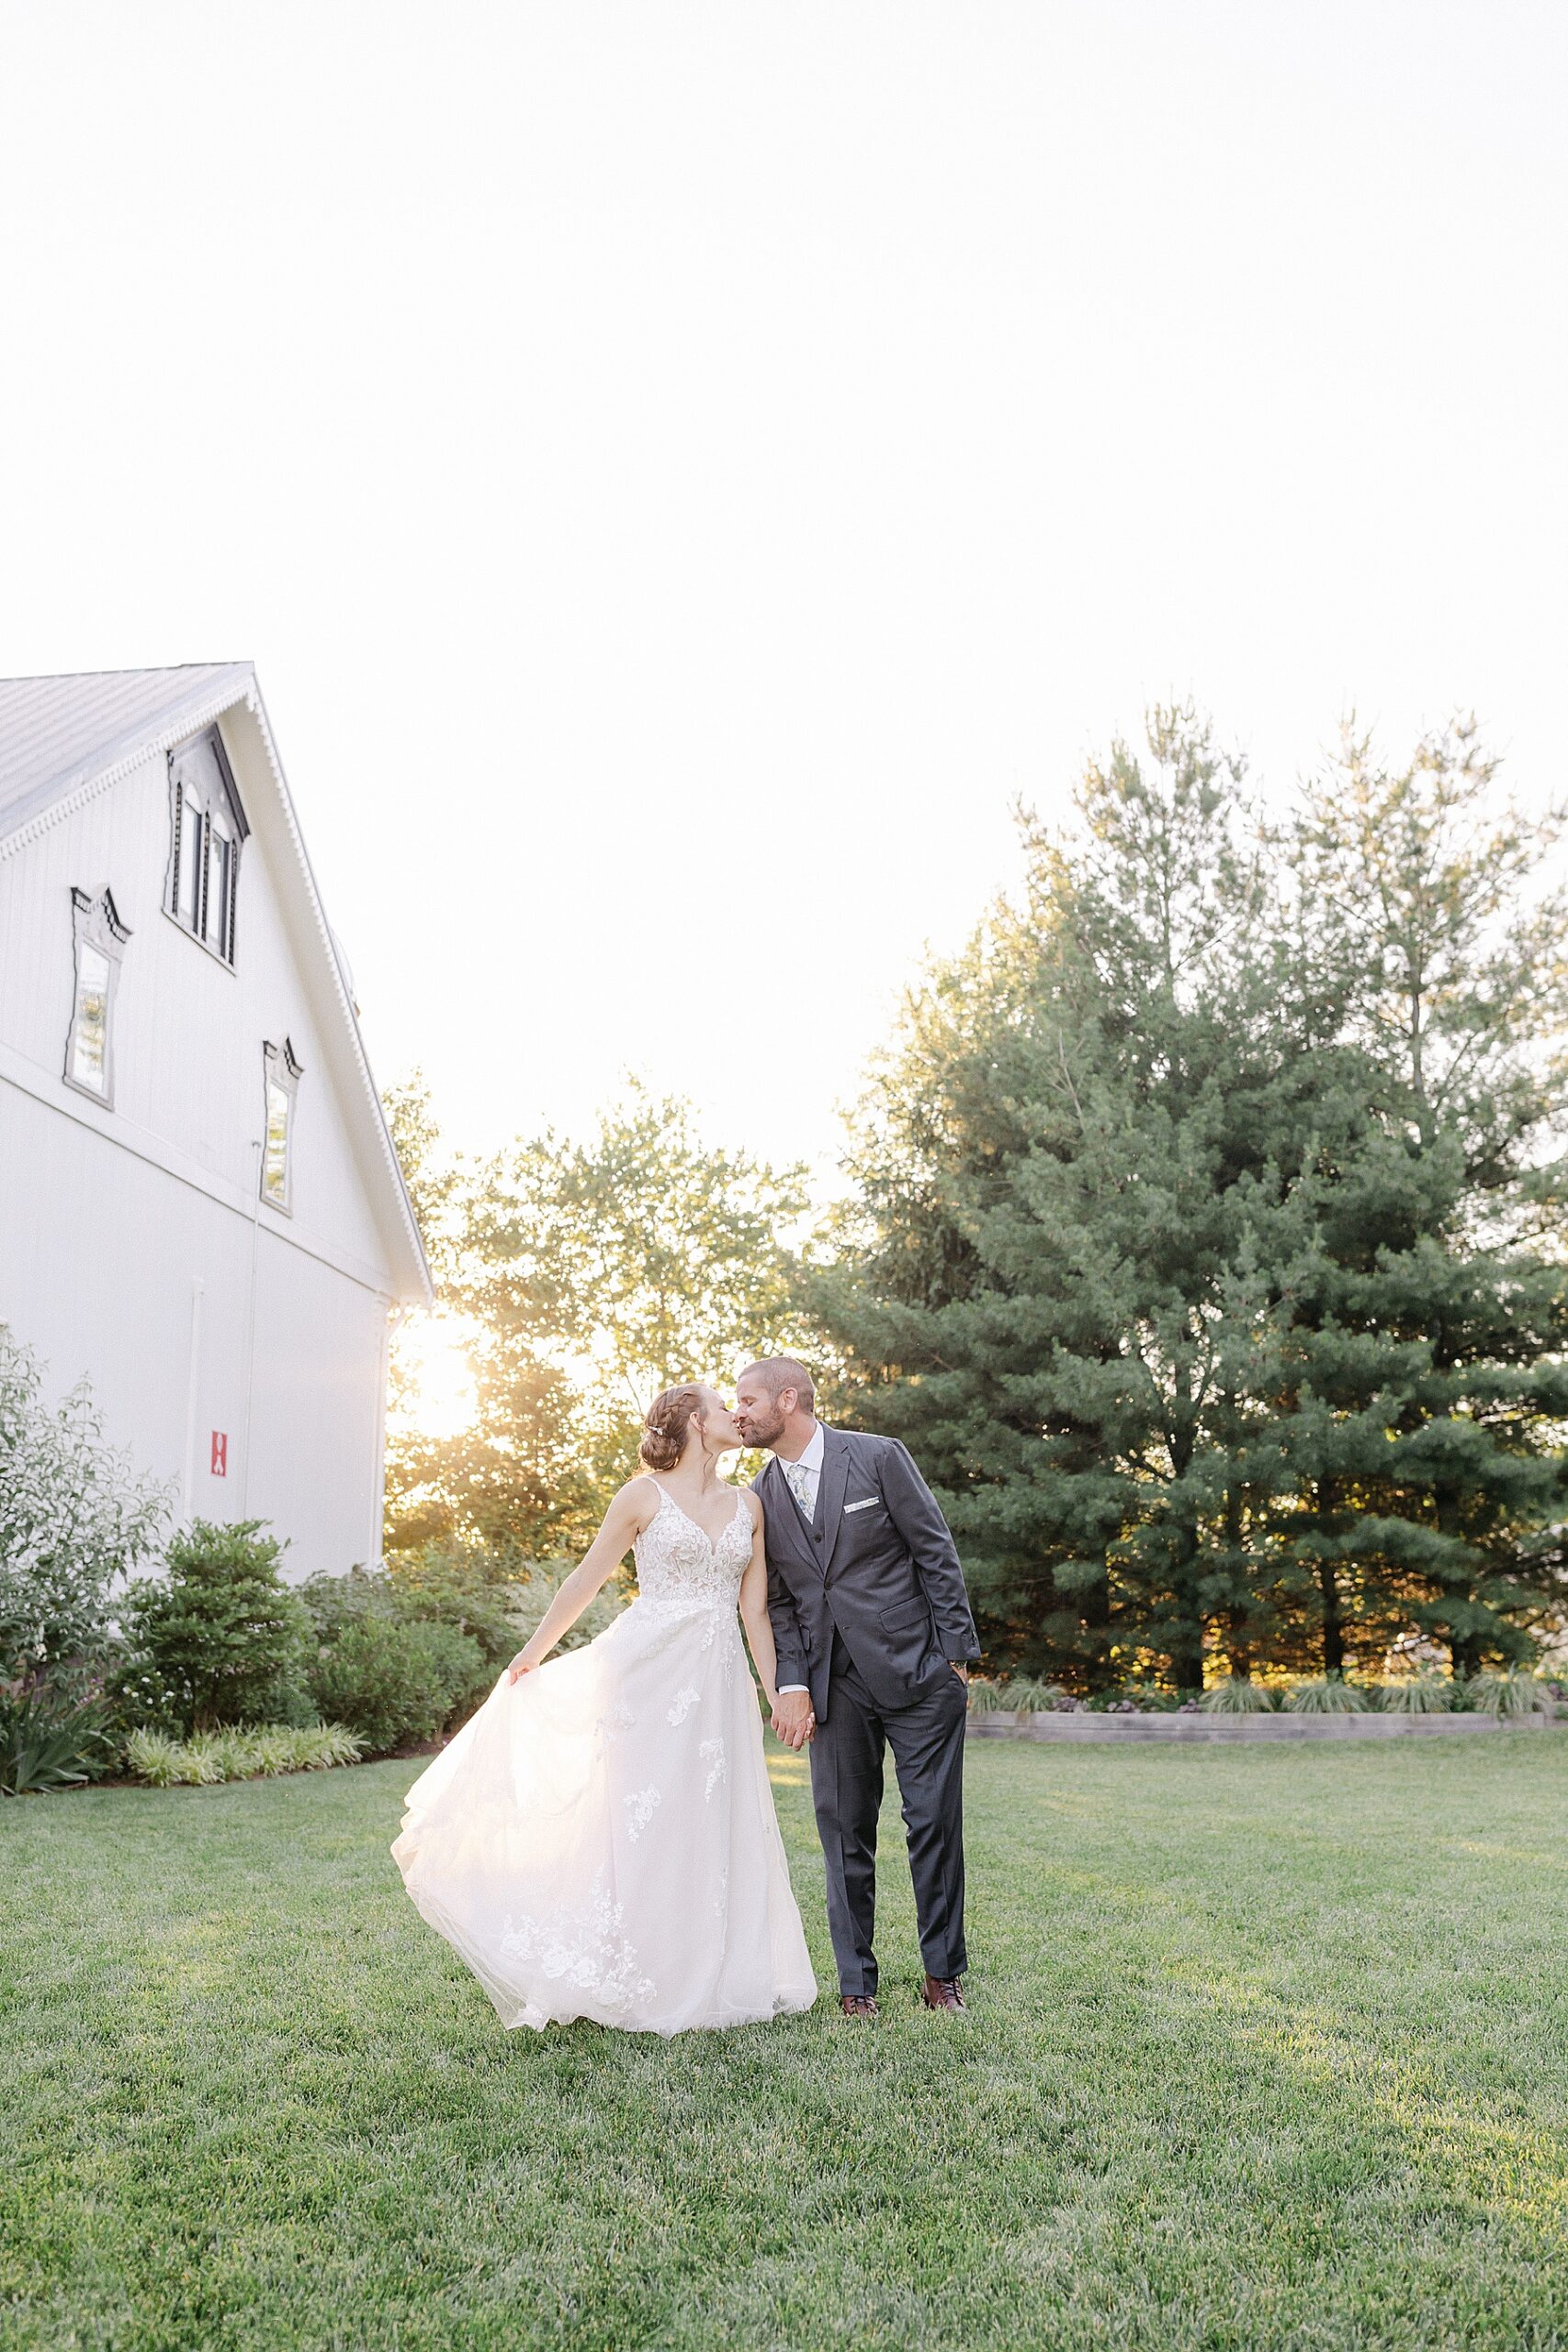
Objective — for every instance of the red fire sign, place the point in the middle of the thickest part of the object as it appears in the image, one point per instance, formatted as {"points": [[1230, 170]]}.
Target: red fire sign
{"points": [[220, 1454]]}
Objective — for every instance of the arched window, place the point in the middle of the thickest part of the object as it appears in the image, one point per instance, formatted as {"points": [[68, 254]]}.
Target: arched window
{"points": [[100, 939], [283, 1074], [207, 827]]}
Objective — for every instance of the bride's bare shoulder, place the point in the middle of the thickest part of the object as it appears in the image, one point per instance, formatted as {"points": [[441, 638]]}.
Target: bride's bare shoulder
{"points": [[636, 1502]]}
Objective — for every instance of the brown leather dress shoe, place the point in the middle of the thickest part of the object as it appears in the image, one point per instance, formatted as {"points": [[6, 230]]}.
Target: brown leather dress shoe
{"points": [[945, 1992], [859, 2005]]}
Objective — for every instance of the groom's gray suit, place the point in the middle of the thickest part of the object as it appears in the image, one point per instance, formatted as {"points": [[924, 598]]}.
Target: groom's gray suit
{"points": [[869, 1608]]}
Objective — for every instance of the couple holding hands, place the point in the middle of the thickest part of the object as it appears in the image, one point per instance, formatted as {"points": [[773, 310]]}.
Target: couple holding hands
{"points": [[599, 1840]]}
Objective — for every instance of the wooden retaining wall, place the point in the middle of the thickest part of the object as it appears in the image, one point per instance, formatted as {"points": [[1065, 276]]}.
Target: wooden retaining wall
{"points": [[1087, 1727]]}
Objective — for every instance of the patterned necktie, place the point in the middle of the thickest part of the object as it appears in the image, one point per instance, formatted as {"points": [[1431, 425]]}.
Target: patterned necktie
{"points": [[799, 1481]]}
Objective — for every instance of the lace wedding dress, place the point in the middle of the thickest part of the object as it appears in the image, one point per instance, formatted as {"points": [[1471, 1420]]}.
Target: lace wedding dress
{"points": [[599, 1840]]}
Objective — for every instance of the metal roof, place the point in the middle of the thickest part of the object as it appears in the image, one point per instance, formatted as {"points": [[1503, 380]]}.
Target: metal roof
{"points": [[57, 733]]}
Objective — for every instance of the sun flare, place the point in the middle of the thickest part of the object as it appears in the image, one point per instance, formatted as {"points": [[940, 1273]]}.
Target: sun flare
{"points": [[436, 1392]]}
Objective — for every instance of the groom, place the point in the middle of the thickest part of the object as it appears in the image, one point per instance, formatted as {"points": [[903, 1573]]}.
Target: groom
{"points": [[875, 1639]]}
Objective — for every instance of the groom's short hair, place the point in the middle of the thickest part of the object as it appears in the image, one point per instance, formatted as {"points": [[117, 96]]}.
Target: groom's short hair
{"points": [[777, 1372]]}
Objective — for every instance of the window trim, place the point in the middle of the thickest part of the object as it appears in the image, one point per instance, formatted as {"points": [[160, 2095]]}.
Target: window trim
{"points": [[279, 1068], [204, 797], [94, 923]]}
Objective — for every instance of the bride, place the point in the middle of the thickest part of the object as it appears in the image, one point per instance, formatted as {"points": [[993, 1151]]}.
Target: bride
{"points": [[599, 1840]]}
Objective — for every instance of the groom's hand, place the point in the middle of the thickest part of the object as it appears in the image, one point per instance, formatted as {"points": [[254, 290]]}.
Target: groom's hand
{"points": [[794, 1722]]}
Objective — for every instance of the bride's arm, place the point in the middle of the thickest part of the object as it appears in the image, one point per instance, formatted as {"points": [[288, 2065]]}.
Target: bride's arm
{"points": [[624, 1522], [754, 1610]]}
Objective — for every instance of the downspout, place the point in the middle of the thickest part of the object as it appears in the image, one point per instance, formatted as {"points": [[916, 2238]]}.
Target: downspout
{"points": [[394, 1316], [251, 1335], [188, 1484]]}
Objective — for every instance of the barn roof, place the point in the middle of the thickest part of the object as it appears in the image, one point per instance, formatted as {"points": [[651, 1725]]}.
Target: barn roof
{"points": [[57, 733], [65, 740]]}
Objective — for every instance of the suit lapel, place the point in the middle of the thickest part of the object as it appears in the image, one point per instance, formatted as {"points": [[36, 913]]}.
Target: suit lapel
{"points": [[787, 1518], [835, 1486]]}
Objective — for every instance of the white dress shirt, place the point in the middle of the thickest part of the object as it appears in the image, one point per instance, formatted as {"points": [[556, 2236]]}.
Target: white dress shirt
{"points": [[811, 1462]]}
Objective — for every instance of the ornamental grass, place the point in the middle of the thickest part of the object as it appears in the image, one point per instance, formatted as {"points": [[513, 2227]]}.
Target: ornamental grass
{"points": [[1237, 1696], [1513, 1693], [1325, 1695], [1031, 1698], [1419, 1694], [245, 1753]]}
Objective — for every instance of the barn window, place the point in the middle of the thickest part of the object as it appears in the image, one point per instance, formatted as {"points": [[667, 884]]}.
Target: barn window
{"points": [[282, 1082], [100, 938], [209, 825]]}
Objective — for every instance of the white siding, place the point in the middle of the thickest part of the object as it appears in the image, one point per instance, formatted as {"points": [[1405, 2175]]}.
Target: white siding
{"points": [[108, 1218]]}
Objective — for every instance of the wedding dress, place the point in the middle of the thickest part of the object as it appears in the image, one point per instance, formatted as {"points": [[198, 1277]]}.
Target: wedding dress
{"points": [[599, 1840]]}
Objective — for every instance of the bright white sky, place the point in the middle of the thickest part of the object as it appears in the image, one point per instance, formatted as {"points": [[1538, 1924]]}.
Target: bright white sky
{"points": [[682, 470]]}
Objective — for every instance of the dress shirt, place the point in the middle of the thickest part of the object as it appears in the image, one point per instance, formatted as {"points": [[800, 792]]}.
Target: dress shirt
{"points": [[810, 1461]]}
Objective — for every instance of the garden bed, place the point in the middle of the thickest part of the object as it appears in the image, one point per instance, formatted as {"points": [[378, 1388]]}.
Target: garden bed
{"points": [[1087, 1727]]}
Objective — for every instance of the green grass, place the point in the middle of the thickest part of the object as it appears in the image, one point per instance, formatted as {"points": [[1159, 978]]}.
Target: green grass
{"points": [[1267, 2049]]}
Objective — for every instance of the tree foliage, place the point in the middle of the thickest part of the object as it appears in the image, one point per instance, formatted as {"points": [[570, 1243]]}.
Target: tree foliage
{"points": [[1206, 1242], [589, 1275]]}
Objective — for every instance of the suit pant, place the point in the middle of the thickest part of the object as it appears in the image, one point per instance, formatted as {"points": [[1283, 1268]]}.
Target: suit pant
{"points": [[927, 1740]]}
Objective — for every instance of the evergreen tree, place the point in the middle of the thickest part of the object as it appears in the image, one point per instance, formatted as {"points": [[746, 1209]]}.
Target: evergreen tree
{"points": [[1424, 1388], [1070, 1196], [1196, 1260], [221, 1631]]}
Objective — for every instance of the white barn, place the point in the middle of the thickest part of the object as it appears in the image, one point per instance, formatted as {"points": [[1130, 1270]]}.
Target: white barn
{"points": [[200, 1207]]}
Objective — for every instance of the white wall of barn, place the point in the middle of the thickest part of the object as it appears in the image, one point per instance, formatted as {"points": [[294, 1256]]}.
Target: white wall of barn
{"points": [[113, 1222]]}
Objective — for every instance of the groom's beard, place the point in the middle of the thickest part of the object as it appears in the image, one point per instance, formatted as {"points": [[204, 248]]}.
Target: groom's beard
{"points": [[760, 1433]]}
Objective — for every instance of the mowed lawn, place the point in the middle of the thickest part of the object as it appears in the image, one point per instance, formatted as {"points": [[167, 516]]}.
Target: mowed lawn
{"points": [[1268, 2048]]}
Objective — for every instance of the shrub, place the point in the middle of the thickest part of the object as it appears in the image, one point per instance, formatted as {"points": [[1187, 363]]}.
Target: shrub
{"points": [[394, 1680], [241, 1753], [441, 1586], [50, 1740], [1325, 1695], [1418, 1694], [1237, 1696], [333, 1603], [222, 1631], [75, 1517], [985, 1696], [1143, 1698], [286, 1705], [436, 1600], [1513, 1693], [139, 1698]]}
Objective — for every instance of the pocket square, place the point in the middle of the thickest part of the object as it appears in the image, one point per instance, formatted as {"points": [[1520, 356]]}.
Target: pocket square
{"points": [[867, 1502]]}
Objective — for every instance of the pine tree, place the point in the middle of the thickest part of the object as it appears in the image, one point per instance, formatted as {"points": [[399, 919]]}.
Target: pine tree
{"points": [[222, 1631], [1207, 1237], [1071, 1195], [1424, 1397]]}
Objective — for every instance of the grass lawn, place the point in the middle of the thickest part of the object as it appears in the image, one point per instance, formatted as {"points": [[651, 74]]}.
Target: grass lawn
{"points": [[1268, 2048]]}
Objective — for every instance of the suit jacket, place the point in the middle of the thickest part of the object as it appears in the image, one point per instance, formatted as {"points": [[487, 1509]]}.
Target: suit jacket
{"points": [[877, 1564]]}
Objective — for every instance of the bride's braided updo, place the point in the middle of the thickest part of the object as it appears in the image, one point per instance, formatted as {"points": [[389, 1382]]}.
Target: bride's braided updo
{"points": [[669, 1422]]}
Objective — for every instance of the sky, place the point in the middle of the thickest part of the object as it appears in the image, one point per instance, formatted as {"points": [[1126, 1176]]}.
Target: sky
{"points": [[684, 471]]}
